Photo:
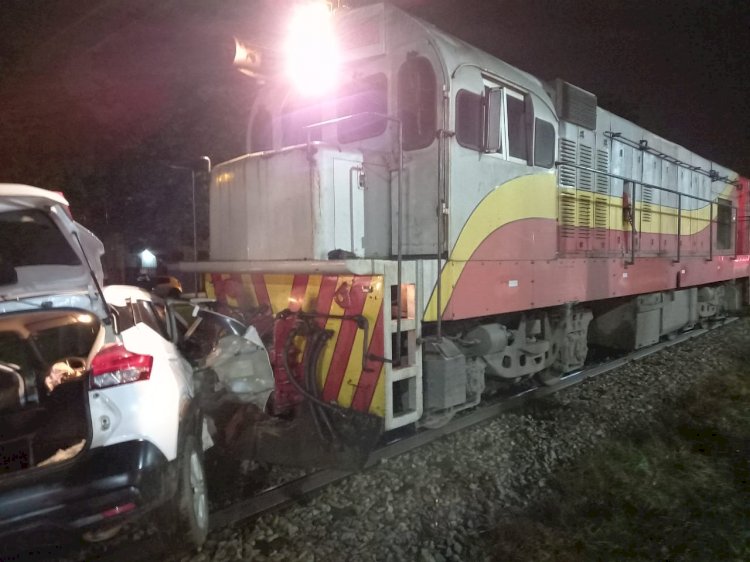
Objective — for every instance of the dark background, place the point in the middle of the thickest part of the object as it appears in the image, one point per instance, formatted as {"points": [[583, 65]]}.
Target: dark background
{"points": [[98, 97]]}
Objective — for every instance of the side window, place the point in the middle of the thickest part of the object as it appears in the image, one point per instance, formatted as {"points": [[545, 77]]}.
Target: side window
{"points": [[417, 102], [294, 119], [544, 143], [124, 318], [162, 317], [149, 317], [724, 224], [261, 132], [469, 119], [139, 311], [364, 99], [494, 122], [516, 124]]}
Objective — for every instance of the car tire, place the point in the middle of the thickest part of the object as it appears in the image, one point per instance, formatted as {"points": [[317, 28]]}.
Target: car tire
{"points": [[188, 510]]}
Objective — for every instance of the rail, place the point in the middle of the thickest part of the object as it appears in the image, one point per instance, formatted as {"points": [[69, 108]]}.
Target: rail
{"points": [[288, 493]]}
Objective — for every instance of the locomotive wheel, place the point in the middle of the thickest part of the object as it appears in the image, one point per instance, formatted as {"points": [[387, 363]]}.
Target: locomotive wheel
{"points": [[548, 377]]}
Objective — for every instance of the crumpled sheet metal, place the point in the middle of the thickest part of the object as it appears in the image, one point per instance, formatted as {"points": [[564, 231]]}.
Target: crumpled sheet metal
{"points": [[242, 366]]}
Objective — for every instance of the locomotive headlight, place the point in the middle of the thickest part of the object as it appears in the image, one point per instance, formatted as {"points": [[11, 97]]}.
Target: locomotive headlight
{"points": [[312, 61]]}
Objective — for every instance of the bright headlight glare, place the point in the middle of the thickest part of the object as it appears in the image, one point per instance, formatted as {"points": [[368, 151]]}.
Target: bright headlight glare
{"points": [[312, 60]]}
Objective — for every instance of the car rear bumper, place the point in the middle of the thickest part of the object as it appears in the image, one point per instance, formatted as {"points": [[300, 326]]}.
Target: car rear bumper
{"points": [[102, 487]]}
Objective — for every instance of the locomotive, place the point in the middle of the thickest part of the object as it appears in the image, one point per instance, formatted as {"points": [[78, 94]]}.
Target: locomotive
{"points": [[435, 224]]}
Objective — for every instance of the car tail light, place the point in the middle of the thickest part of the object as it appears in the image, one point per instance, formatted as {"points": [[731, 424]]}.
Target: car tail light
{"points": [[115, 365]]}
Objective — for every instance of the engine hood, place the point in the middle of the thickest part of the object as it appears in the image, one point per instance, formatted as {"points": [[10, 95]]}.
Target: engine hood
{"points": [[46, 258]]}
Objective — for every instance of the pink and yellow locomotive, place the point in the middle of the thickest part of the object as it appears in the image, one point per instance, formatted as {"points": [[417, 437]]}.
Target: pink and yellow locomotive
{"points": [[453, 224]]}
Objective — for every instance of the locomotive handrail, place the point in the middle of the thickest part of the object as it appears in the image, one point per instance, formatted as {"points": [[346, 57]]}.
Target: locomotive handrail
{"points": [[623, 178], [644, 147], [679, 194]]}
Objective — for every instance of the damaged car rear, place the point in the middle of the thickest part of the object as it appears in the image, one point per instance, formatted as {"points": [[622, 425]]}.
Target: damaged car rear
{"points": [[98, 421]]}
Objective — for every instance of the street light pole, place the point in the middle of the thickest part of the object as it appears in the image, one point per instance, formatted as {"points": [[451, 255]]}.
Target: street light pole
{"points": [[195, 231], [204, 165]]}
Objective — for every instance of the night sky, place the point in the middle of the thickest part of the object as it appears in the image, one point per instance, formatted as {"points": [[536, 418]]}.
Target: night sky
{"points": [[98, 95]]}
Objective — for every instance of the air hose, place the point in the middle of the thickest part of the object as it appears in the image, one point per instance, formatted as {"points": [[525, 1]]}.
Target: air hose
{"points": [[296, 331]]}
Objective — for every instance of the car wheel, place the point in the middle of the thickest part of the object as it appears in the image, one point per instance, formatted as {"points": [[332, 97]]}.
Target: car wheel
{"points": [[189, 508]]}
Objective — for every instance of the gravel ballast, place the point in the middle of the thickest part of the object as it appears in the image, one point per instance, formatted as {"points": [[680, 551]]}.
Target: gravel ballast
{"points": [[438, 502]]}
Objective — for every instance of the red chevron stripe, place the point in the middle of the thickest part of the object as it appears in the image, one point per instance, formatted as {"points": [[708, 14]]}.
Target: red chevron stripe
{"points": [[345, 340], [325, 296], [368, 380]]}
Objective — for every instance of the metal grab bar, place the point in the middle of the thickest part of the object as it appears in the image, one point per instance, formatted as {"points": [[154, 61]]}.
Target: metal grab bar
{"points": [[679, 194]]}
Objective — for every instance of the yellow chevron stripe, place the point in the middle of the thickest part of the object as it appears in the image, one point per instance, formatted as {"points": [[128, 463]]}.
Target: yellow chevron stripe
{"points": [[279, 287], [524, 197], [377, 406], [537, 196], [311, 293], [208, 284], [247, 284], [334, 325], [373, 303]]}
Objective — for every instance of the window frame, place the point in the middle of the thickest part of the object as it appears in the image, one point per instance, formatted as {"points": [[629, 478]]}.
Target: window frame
{"points": [[381, 122], [292, 109], [541, 121], [418, 65], [508, 93], [480, 120], [725, 235], [503, 152]]}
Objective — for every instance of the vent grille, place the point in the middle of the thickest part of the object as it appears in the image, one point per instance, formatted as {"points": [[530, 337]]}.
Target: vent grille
{"points": [[567, 154], [602, 165], [585, 205], [575, 105], [567, 215], [601, 216], [585, 177], [648, 204]]}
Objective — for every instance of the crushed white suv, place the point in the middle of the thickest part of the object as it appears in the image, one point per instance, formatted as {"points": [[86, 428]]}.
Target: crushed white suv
{"points": [[99, 422]]}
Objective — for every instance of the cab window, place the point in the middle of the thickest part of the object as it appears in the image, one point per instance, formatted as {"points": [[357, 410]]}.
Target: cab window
{"points": [[516, 124], [366, 102], [417, 102], [294, 121], [469, 119], [544, 143]]}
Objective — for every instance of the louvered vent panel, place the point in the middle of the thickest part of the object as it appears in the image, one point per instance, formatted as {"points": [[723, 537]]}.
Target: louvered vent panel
{"points": [[602, 165], [567, 215], [567, 154], [601, 216], [648, 204], [584, 214], [585, 178]]}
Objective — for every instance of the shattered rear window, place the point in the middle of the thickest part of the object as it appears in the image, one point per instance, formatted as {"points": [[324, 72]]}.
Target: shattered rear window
{"points": [[31, 238]]}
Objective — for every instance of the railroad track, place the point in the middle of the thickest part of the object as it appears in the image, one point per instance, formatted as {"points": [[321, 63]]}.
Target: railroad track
{"points": [[290, 492]]}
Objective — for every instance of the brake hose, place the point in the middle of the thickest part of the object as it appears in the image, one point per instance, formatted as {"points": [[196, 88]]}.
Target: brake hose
{"points": [[290, 375]]}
